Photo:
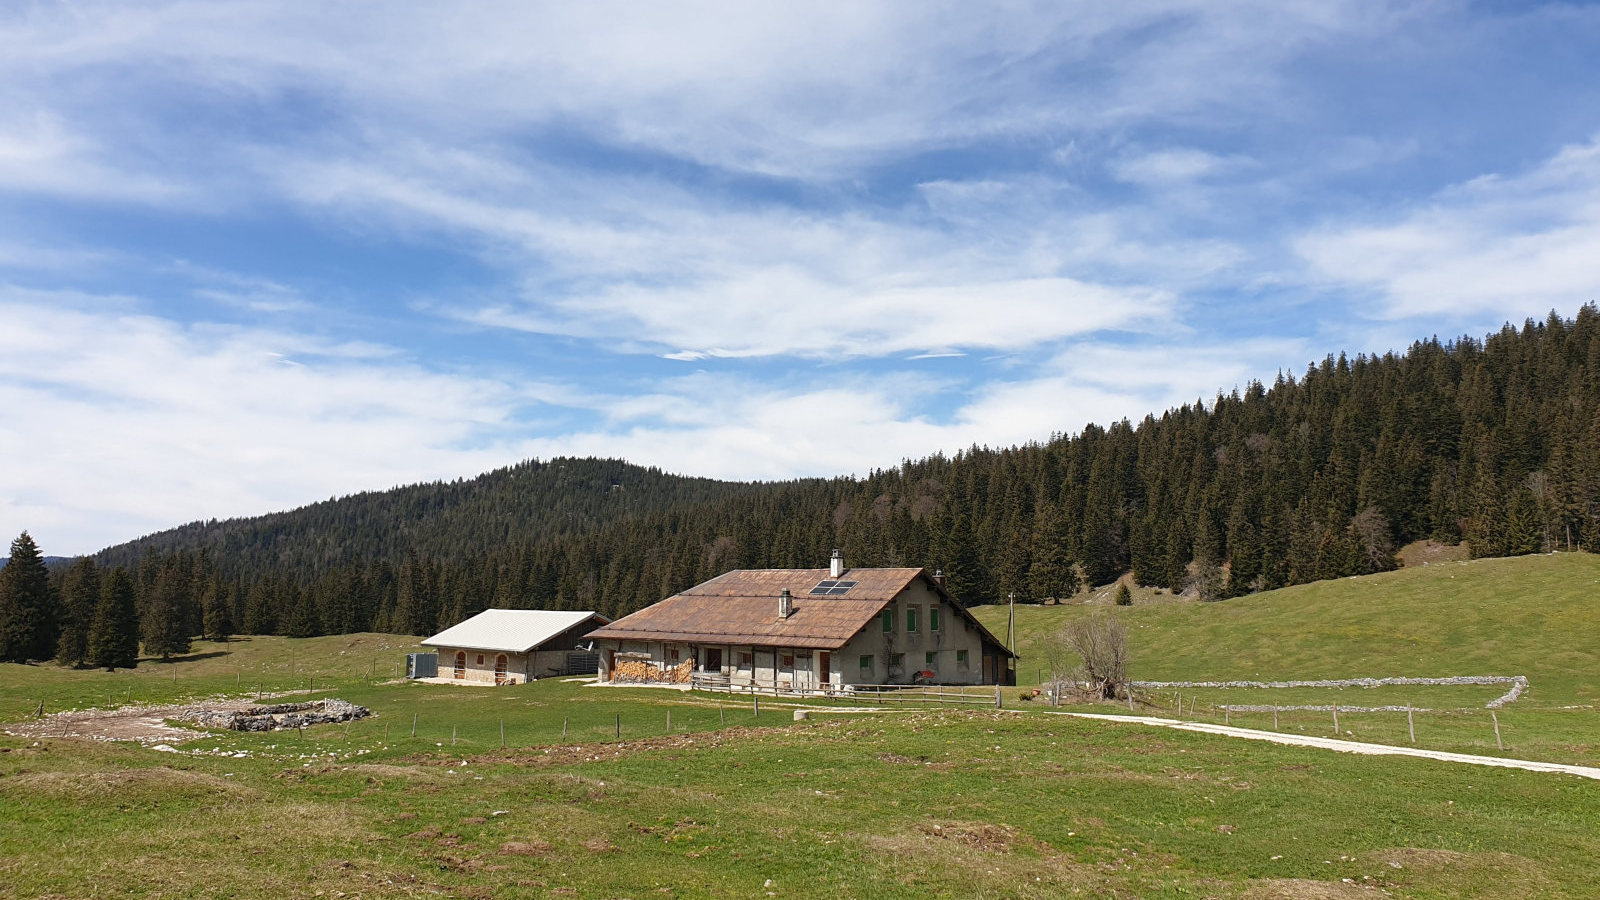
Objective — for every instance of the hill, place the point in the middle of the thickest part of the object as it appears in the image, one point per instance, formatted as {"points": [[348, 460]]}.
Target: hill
{"points": [[1495, 442]]}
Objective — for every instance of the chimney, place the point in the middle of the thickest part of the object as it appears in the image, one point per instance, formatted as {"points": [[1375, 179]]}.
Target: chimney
{"points": [[785, 604], [836, 564], [938, 577]]}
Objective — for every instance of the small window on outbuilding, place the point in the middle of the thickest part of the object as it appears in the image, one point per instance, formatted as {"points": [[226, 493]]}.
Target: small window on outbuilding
{"points": [[672, 653], [788, 660], [746, 661], [866, 662], [961, 658], [933, 618], [480, 659]]}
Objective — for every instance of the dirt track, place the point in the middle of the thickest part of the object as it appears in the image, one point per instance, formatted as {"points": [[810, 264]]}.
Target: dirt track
{"points": [[1304, 740]]}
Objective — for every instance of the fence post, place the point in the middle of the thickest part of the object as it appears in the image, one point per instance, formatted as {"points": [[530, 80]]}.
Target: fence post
{"points": [[997, 702], [564, 727], [722, 713], [1336, 718], [755, 704], [502, 734], [1411, 724], [1130, 695], [452, 735], [1274, 718], [1496, 717], [1226, 715], [386, 732], [669, 721], [1180, 704]]}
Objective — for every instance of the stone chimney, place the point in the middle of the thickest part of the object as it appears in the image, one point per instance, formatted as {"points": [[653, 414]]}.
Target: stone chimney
{"points": [[836, 564], [785, 604], [938, 577]]}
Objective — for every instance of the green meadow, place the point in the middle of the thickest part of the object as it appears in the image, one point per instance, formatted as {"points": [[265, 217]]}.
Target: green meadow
{"points": [[1534, 616], [901, 803]]}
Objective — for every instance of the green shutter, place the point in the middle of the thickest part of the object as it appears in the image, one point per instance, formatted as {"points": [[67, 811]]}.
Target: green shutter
{"points": [[888, 620], [911, 619], [933, 619]]}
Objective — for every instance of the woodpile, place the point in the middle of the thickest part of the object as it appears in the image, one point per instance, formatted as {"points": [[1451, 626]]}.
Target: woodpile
{"points": [[643, 671]]}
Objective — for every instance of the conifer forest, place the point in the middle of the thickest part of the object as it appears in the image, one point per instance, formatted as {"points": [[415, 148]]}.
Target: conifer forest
{"points": [[1320, 474]]}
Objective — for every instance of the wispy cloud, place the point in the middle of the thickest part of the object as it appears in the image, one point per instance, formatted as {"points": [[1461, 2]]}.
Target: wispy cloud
{"points": [[1524, 242]]}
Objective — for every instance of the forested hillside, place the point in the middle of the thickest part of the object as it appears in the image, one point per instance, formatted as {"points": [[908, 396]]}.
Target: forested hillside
{"points": [[1318, 475]]}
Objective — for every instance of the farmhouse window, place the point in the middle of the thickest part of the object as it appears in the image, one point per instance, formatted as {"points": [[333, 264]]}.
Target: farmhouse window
{"points": [[961, 658], [927, 659], [788, 660], [888, 621], [866, 662], [672, 653], [897, 660], [933, 618], [480, 659], [911, 620], [746, 661]]}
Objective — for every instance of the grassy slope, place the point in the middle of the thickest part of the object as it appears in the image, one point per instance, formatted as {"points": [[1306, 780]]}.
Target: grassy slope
{"points": [[1026, 805], [1531, 615]]}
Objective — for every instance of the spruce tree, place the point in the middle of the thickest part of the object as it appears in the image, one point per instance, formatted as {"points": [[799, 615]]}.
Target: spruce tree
{"points": [[164, 625], [114, 632], [27, 605], [217, 607], [80, 597]]}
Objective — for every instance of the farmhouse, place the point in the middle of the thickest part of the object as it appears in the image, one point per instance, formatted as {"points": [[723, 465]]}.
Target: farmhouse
{"points": [[806, 630], [512, 646]]}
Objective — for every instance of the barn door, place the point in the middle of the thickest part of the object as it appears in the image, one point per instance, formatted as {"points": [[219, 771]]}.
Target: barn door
{"points": [[825, 669], [500, 669]]}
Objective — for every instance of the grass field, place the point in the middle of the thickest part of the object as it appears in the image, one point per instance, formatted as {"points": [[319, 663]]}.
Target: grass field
{"points": [[1533, 615], [1019, 803]]}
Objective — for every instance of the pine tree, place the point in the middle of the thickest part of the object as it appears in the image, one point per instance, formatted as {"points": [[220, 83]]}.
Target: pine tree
{"points": [[80, 596], [27, 605], [114, 633]]}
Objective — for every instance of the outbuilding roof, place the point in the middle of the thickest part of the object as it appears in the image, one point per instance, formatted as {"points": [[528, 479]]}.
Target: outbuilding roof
{"points": [[511, 630], [741, 607]]}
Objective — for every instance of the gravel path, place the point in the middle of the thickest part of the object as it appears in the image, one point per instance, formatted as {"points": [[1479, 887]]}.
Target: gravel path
{"points": [[1302, 740]]}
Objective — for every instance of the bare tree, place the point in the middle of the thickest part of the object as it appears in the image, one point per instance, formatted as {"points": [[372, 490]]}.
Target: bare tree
{"points": [[1101, 642]]}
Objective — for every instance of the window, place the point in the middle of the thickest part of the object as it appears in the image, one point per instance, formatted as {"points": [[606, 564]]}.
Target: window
{"points": [[888, 620], [746, 661], [672, 653], [832, 588], [933, 618], [866, 663], [897, 660], [480, 659], [788, 660], [927, 659], [911, 620], [961, 658]]}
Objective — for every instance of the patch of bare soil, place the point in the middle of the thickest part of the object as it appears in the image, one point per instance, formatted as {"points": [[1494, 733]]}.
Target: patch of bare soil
{"points": [[524, 848], [1423, 553], [149, 724], [983, 836], [145, 724]]}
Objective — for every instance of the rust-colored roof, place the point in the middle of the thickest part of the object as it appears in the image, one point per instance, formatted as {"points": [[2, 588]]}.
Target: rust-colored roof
{"points": [[741, 607]]}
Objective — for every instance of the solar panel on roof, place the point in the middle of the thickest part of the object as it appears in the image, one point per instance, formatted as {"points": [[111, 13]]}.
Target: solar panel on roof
{"points": [[829, 587]]}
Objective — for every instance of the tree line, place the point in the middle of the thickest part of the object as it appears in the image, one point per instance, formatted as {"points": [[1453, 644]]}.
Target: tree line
{"points": [[1492, 442]]}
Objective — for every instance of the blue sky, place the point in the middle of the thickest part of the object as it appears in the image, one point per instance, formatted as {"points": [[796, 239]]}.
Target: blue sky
{"points": [[253, 255]]}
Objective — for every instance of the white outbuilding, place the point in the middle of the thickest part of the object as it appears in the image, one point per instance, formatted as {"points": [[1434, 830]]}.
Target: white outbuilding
{"points": [[512, 646]]}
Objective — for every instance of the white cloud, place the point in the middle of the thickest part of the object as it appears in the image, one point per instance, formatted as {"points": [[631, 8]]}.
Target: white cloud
{"points": [[1163, 168], [1495, 244], [118, 423]]}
